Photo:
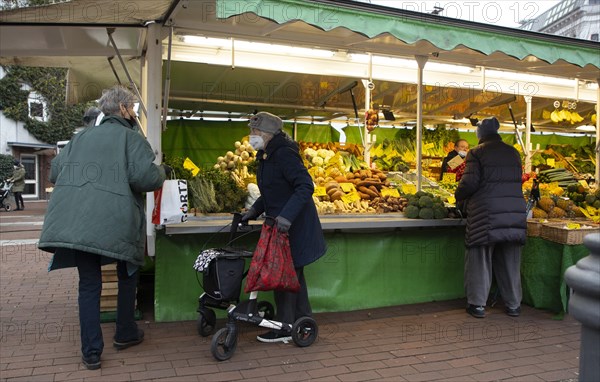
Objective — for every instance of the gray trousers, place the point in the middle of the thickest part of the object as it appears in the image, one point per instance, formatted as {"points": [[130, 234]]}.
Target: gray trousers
{"points": [[504, 259]]}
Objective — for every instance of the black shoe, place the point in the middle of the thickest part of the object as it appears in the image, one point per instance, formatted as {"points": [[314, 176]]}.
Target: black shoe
{"points": [[120, 345], [476, 311], [19, 209], [92, 362], [516, 312], [273, 336]]}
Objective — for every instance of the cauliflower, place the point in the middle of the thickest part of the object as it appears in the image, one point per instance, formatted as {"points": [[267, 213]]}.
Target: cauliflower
{"points": [[253, 194], [317, 161], [310, 153]]}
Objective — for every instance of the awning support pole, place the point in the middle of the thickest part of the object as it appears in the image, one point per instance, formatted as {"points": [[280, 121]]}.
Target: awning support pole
{"points": [[421, 61], [528, 135], [167, 88], [597, 175], [366, 138], [110, 31], [151, 70], [113, 69]]}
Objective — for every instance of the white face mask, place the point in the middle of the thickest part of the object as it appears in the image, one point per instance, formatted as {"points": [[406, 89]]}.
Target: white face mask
{"points": [[462, 154], [257, 142]]}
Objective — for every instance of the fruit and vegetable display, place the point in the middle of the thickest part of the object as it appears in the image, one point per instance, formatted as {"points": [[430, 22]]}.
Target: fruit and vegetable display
{"points": [[345, 184]]}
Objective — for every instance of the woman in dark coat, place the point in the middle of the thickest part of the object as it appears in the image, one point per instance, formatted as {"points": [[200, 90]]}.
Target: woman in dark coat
{"points": [[286, 193], [496, 220]]}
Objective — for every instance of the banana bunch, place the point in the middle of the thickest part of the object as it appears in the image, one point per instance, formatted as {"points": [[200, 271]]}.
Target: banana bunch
{"points": [[565, 116]]}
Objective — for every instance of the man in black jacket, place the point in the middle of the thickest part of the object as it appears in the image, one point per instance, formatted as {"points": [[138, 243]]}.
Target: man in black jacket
{"points": [[490, 190]]}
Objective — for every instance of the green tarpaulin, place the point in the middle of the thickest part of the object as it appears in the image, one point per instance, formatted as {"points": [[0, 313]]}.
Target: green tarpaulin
{"points": [[204, 141], [360, 270]]}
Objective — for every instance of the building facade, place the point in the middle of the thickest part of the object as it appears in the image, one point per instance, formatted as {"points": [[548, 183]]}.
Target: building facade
{"points": [[17, 141], [570, 18]]}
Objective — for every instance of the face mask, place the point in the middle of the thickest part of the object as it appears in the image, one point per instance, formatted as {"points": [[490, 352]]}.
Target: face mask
{"points": [[257, 142], [462, 154]]}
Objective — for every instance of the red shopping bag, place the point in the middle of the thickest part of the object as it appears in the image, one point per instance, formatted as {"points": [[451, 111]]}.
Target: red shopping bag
{"points": [[272, 267]]}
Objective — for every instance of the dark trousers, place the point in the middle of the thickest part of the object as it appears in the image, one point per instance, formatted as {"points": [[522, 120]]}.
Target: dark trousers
{"points": [[90, 287], [502, 260], [19, 200], [292, 306]]}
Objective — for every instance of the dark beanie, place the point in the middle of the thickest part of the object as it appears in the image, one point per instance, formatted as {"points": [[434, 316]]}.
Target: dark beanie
{"points": [[17, 163], [487, 127]]}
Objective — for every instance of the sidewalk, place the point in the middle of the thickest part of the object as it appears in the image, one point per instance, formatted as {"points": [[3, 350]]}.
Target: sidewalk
{"points": [[39, 336]]}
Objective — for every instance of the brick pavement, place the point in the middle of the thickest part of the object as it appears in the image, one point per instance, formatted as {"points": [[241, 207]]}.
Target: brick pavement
{"points": [[39, 337]]}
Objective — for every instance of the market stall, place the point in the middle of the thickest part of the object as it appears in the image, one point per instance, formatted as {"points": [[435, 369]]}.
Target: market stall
{"points": [[317, 64]]}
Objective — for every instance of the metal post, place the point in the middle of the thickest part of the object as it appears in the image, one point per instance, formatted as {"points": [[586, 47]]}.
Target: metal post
{"points": [[421, 61], [528, 135], [597, 175], [167, 81], [110, 31], [584, 279], [151, 86]]}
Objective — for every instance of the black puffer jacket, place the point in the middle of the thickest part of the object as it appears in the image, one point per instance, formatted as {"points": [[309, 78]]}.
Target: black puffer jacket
{"points": [[491, 191]]}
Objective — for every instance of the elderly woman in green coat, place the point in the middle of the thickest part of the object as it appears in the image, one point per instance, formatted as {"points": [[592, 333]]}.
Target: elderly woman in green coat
{"points": [[18, 179], [96, 216]]}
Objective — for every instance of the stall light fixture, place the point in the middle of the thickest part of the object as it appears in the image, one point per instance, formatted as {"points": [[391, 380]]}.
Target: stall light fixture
{"points": [[409, 63], [586, 128], [532, 78], [249, 46]]}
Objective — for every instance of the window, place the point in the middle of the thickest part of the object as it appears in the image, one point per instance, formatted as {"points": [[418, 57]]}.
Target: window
{"points": [[37, 107], [594, 37], [36, 110]]}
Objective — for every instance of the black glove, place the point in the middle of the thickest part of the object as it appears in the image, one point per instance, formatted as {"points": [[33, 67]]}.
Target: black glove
{"points": [[249, 215], [168, 170], [283, 225]]}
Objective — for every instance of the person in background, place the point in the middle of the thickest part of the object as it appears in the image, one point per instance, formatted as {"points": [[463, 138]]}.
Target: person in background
{"points": [[89, 118], [496, 220], [461, 147], [286, 193], [96, 216], [18, 179]]}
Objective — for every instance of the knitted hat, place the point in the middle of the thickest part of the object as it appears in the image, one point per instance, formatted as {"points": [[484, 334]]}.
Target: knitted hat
{"points": [[487, 127], [266, 122]]}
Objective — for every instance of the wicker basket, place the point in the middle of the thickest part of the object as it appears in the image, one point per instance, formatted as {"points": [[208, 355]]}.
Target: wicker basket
{"points": [[534, 227], [558, 233]]}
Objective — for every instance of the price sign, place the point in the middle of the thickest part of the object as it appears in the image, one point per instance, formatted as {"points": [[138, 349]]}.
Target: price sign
{"points": [[428, 146], [584, 183], [451, 200], [550, 162], [320, 191], [350, 197], [409, 189], [347, 187], [393, 192], [449, 177]]}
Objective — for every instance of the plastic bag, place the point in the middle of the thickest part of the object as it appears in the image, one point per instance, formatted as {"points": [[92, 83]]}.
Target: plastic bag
{"points": [[272, 267], [171, 202]]}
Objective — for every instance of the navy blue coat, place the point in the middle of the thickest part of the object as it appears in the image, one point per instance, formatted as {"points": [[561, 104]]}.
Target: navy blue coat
{"points": [[286, 190], [491, 190]]}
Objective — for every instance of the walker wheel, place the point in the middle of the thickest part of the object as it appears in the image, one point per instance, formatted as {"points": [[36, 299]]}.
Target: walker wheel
{"points": [[266, 310], [7, 207], [223, 344], [304, 331], [206, 322]]}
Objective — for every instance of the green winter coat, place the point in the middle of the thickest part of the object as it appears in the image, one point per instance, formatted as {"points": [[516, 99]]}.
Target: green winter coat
{"points": [[18, 178], [97, 205]]}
